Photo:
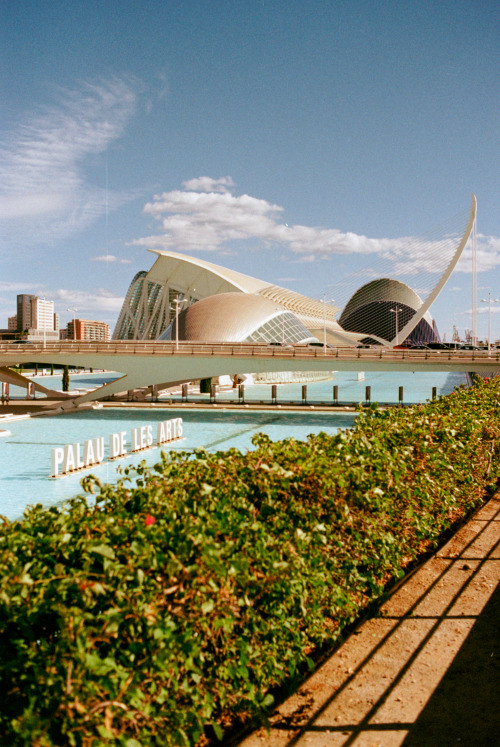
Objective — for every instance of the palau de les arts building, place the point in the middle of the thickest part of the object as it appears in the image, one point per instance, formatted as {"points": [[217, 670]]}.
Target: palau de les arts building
{"points": [[217, 304]]}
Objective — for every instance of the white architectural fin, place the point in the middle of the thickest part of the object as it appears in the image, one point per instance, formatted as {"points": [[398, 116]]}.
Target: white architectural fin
{"points": [[410, 326]]}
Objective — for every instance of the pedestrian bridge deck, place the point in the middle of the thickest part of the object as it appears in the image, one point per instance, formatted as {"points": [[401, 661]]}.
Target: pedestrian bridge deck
{"points": [[146, 363]]}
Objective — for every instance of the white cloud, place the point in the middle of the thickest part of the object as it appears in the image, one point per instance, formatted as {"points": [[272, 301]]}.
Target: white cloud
{"points": [[411, 256], [206, 220], [304, 259], [207, 216], [111, 258], [482, 309], [96, 303], [367, 272], [207, 184], [18, 287], [488, 254], [43, 187]]}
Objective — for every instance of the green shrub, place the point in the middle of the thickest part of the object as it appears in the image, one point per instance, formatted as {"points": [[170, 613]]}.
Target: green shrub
{"points": [[183, 596]]}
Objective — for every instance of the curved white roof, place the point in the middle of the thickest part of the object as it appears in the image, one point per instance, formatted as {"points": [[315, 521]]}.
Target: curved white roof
{"points": [[385, 289], [235, 317], [147, 309], [188, 271]]}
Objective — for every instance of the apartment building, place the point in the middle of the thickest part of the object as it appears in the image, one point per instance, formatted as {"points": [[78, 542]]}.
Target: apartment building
{"points": [[88, 329]]}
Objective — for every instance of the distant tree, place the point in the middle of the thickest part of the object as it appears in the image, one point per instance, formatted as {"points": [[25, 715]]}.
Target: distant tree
{"points": [[65, 379]]}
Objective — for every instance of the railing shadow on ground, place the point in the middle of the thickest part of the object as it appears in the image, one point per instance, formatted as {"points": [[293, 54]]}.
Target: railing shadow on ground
{"points": [[428, 670], [465, 707]]}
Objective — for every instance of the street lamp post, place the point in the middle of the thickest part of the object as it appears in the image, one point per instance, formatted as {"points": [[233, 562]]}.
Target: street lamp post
{"points": [[177, 301], [489, 302], [74, 321], [44, 329], [396, 311]]}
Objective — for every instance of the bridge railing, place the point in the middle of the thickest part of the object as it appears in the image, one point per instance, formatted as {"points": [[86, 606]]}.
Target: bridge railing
{"points": [[30, 351]]}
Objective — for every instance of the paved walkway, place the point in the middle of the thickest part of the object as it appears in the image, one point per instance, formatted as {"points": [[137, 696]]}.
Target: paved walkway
{"points": [[425, 672]]}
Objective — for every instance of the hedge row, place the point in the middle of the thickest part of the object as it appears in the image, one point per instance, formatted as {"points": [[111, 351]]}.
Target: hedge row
{"points": [[179, 599]]}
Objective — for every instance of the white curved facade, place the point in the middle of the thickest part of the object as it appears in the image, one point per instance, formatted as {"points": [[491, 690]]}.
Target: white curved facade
{"points": [[381, 308], [149, 305], [237, 317]]}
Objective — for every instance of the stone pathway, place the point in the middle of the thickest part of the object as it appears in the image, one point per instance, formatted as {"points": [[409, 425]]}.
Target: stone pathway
{"points": [[425, 672]]}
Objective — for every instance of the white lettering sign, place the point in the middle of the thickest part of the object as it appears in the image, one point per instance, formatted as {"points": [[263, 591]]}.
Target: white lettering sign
{"points": [[69, 458], [168, 430], [93, 451], [57, 459], [142, 438], [88, 453], [117, 444]]}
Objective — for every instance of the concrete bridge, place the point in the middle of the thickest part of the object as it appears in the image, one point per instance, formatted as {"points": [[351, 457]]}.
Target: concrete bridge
{"points": [[146, 363]]}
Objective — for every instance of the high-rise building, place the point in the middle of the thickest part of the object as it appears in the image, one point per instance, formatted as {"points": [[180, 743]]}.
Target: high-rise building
{"points": [[87, 329], [24, 311], [36, 317], [42, 314], [12, 323]]}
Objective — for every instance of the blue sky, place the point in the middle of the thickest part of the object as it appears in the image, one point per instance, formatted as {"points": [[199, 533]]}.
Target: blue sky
{"points": [[300, 142]]}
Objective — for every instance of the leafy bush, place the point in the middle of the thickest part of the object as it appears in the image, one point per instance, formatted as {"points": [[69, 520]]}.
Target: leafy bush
{"points": [[181, 597]]}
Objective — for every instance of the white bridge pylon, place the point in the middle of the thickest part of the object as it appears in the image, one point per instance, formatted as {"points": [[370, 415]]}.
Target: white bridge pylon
{"points": [[403, 333]]}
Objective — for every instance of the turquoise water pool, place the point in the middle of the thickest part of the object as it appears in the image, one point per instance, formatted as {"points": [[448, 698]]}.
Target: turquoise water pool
{"points": [[82, 381], [25, 455], [417, 387]]}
